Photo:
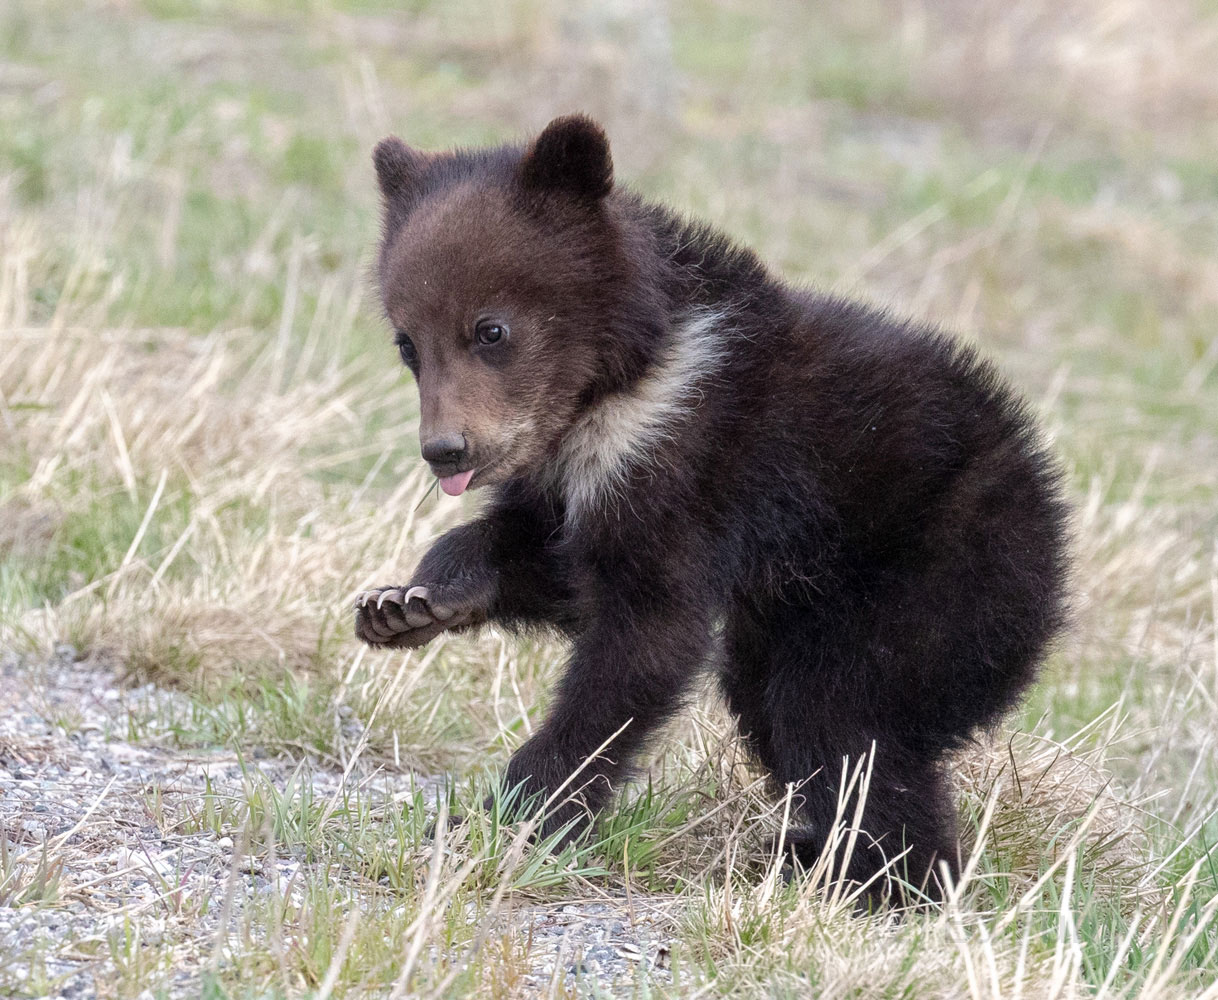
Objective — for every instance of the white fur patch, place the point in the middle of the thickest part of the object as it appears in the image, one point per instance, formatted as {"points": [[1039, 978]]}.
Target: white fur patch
{"points": [[627, 428]]}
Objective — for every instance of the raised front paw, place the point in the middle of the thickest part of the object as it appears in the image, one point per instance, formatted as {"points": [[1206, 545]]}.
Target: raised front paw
{"points": [[408, 617]]}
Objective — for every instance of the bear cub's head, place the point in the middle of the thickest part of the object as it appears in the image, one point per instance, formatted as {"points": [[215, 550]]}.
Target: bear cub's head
{"points": [[516, 294]]}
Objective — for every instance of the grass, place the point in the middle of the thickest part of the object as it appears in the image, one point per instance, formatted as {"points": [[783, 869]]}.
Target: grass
{"points": [[205, 451]]}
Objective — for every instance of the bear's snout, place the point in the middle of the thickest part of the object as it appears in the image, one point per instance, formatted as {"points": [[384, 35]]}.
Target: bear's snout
{"points": [[446, 453]]}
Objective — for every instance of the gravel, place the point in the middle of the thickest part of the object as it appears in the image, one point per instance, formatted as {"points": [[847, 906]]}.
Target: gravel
{"points": [[95, 817]]}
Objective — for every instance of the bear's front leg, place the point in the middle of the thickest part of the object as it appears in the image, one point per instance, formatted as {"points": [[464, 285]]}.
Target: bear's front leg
{"points": [[502, 568], [452, 589], [628, 672]]}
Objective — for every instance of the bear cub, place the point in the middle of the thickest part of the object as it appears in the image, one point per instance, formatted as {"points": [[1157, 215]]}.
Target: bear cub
{"points": [[693, 465]]}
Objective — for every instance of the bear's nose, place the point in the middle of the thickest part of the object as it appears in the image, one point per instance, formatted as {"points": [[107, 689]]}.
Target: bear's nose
{"points": [[445, 449]]}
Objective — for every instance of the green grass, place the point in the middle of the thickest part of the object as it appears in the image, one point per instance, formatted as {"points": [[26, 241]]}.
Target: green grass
{"points": [[187, 214]]}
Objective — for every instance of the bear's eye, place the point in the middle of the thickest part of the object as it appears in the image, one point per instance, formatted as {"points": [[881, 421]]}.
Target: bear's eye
{"points": [[489, 331], [410, 357]]}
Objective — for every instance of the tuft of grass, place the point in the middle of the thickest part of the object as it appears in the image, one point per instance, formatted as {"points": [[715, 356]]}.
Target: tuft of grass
{"points": [[28, 877]]}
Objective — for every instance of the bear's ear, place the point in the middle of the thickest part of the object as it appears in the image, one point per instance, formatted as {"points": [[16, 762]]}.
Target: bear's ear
{"points": [[399, 169], [570, 155]]}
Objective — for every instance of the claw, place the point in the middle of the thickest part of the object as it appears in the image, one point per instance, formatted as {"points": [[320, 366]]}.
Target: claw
{"points": [[418, 619], [395, 597], [364, 598], [419, 592]]}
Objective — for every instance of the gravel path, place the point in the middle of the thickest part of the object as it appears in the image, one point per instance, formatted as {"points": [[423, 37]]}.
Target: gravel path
{"points": [[96, 868]]}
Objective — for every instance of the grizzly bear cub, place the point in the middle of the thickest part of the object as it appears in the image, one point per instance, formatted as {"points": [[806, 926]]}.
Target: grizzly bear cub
{"points": [[690, 462]]}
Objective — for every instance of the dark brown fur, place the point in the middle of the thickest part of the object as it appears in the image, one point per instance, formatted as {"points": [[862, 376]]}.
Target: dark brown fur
{"points": [[861, 503]]}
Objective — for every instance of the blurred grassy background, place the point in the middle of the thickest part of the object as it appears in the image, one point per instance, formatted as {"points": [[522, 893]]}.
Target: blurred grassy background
{"points": [[1038, 176], [187, 213]]}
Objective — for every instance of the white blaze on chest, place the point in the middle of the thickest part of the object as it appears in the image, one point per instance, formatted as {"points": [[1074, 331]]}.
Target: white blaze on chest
{"points": [[629, 428]]}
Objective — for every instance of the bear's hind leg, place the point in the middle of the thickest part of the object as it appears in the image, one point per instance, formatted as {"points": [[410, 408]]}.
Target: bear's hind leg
{"points": [[907, 830], [811, 722]]}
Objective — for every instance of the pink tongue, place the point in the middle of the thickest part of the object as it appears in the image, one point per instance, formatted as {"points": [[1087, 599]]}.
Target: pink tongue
{"points": [[454, 486]]}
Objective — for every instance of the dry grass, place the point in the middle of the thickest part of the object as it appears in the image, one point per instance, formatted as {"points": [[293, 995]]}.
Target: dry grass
{"points": [[204, 453]]}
